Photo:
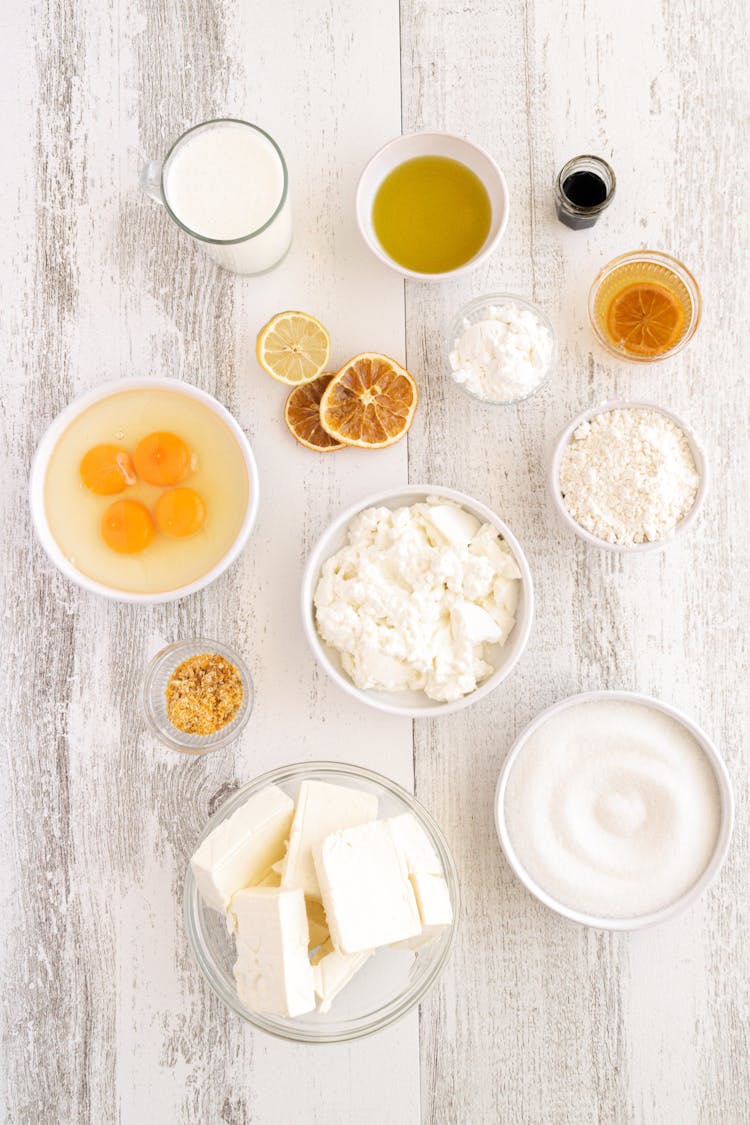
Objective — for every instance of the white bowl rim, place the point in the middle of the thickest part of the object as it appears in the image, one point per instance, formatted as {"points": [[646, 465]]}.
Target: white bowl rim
{"points": [[696, 448], [482, 254], [49, 440], [315, 561], [337, 770], [723, 840]]}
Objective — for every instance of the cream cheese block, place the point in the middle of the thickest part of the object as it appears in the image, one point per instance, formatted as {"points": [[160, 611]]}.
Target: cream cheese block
{"points": [[425, 873], [414, 845], [273, 972], [321, 810], [333, 971], [435, 909], [241, 850], [364, 882]]}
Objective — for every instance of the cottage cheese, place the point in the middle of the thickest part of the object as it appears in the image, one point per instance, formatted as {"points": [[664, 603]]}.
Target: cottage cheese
{"points": [[504, 356], [628, 476], [415, 596]]}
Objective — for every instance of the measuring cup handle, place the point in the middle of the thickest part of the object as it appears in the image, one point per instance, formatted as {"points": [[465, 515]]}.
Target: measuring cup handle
{"points": [[151, 180]]}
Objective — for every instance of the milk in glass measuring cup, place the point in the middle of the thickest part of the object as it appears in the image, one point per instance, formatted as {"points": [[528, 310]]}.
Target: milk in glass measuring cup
{"points": [[225, 182]]}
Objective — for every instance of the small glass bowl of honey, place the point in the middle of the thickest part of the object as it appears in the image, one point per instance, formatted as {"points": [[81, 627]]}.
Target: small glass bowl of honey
{"points": [[644, 306]]}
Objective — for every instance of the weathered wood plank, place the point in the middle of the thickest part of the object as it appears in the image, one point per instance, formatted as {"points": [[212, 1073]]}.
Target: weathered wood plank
{"points": [[537, 1020], [108, 1017]]}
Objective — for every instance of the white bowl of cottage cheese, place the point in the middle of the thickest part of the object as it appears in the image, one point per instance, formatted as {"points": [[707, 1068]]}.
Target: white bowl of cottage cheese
{"points": [[628, 476], [418, 601]]}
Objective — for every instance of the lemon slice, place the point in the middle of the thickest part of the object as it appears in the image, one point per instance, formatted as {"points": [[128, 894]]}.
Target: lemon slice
{"points": [[293, 347]]}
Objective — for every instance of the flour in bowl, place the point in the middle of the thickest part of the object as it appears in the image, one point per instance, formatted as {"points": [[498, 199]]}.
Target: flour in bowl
{"points": [[628, 476]]}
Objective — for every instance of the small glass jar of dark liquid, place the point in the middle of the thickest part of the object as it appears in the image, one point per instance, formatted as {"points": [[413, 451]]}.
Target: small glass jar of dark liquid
{"points": [[584, 188]]}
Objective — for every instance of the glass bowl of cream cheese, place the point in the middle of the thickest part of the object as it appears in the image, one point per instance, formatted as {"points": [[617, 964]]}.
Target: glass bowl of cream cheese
{"points": [[418, 601], [501, 349], [387, 984], [614, 809]]}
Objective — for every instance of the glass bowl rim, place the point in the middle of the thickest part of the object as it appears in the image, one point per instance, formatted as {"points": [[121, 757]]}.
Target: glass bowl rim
{"points": [[388, 1013], [475, 306], [660, 257], [233, 728]]}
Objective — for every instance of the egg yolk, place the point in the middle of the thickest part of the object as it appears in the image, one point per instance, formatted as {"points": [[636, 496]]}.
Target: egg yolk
{"points": [[180, 512], [127, 527], [162, 458], [107, 469]]}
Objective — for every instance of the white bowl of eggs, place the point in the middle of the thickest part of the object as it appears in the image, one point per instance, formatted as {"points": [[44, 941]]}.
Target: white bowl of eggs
{"points": [[144, 490]]}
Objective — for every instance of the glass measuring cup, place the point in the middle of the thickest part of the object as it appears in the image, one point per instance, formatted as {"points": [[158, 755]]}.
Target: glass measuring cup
{"points": [[226, 177]]}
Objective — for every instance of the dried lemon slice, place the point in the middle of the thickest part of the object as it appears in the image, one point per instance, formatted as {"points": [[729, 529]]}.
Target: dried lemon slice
{"points": [[293, 347], [302, 416], [370, 402]]}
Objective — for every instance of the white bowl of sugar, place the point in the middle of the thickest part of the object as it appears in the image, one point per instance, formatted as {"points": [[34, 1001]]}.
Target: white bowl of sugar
{"points": [[614, 809]]}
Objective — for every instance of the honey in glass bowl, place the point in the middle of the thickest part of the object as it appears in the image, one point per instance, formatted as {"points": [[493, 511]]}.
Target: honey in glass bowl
{"points": [[644, 306]]}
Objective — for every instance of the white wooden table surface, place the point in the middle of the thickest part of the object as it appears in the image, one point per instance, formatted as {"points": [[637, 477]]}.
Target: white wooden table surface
{"points": [[535, 1020]]}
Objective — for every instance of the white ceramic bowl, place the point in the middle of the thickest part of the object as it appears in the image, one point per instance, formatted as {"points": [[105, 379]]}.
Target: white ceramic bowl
{"points": [[415, 704], [553, 476], [432, 144], [725, 827], [39, 470]]}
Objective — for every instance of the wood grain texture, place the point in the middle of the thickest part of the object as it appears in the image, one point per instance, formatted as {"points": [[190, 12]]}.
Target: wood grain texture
{"points": [[538, 1020], [535, 1021], [107, 1018]]}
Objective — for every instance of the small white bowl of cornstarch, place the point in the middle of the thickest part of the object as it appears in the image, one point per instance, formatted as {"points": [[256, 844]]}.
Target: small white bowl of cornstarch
{"points": [[628, 476]]}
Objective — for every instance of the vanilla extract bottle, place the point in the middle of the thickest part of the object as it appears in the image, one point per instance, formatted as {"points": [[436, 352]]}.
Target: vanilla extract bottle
{"points": [[584, 188]]}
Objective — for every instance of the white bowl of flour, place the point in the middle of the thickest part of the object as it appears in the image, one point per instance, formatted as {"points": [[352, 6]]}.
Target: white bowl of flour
{"points": [[614, 809], [628, 476]]}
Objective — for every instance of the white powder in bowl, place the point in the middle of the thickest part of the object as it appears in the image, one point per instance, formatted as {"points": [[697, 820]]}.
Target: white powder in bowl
{"points": [[503, 356], [613, 808], [628, 476]]}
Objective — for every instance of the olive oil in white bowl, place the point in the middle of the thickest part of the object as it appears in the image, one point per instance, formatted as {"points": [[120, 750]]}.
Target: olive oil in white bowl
{"points": [[406, 228]]}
